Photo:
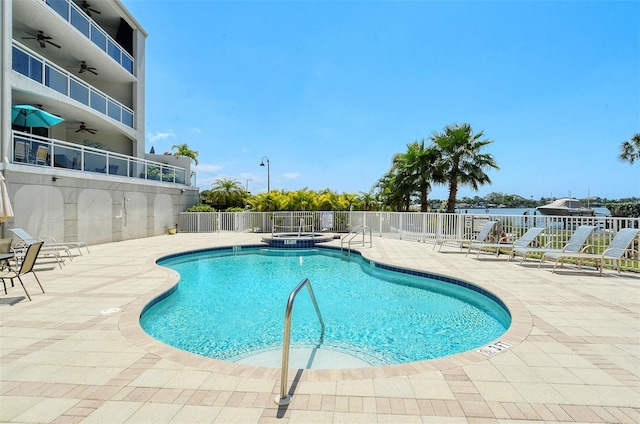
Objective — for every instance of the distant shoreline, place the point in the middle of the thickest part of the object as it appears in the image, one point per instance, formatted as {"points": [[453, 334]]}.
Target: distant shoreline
{"points": [[516, 211]]}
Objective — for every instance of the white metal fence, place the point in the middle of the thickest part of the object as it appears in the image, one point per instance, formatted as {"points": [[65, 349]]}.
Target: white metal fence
{"points": [[417, 226], [413, 226]]}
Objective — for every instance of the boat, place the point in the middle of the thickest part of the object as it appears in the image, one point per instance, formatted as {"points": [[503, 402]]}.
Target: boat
{"points": [[565, 207]]}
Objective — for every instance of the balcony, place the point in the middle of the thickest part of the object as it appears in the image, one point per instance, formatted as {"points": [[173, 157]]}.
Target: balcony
{"points": [[50, 75], [32, 150], [71, 13]]}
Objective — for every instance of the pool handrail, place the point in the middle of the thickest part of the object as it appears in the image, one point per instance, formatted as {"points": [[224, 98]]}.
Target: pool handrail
{"points": [[284, 397], [360, 229]]}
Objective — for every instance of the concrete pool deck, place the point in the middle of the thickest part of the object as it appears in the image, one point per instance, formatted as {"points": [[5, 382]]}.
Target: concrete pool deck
{"points": [[77, 354]]}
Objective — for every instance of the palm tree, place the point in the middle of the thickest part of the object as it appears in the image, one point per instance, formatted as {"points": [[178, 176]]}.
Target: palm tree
{"points": [[630, 149], [184, 150], [367, 200], [460, 161], [418, 166], [227, 192]]}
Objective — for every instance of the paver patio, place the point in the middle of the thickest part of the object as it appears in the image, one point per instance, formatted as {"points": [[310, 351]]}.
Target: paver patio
{"points": [[575, 354]]}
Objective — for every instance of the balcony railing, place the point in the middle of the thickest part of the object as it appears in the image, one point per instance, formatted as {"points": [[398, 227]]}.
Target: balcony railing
{"points": [[33, 150], [47, 73], [71, 13]]}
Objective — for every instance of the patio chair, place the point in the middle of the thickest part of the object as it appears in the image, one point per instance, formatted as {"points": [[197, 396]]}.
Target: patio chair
{"points": [[50, 242], [42, 155], [25, 268], [524, 241], [621, 244], [575, 244], [482, 235], [21, 151]]}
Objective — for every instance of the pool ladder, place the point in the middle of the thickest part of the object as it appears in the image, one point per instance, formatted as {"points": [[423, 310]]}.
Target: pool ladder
{"points": [[351, 237], [284, 397]]}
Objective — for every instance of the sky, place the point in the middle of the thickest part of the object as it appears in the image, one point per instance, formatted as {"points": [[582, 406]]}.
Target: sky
{"points": [[329, 91]]}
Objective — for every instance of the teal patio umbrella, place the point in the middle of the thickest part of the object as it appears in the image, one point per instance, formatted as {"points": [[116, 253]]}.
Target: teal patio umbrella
{"points": [[30, 116]]}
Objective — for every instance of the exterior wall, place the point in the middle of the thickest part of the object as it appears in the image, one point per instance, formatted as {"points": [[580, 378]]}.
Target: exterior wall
{"points": [[65, 204], [99, 210]]}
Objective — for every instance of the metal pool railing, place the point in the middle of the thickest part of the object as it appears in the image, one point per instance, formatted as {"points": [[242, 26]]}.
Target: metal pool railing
{"points": [[285, 398]]}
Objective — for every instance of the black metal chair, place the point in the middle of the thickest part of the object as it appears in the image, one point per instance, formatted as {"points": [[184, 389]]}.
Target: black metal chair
{"points": [[26, 267]]}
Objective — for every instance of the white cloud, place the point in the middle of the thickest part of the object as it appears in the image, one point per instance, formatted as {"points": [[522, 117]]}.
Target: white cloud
{"points": [[290, 175], [159, 136], [196, 130], [208, 168]]}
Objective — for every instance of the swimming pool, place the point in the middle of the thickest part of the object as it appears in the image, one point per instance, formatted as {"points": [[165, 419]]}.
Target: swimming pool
{"points": [[230, 304]]}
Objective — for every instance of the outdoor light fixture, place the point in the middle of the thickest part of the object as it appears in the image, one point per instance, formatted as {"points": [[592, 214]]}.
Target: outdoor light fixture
{"points": [[268, 173]]}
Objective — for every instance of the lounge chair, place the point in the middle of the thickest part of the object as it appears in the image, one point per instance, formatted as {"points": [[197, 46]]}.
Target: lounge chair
{"points": [[524, 241], [482, 235], [49, 242], [20, 251], [621, 244], [575, 244], [26, 267]]}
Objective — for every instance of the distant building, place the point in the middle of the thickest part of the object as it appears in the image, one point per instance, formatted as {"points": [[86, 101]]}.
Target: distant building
{"points": [[88, 177]]}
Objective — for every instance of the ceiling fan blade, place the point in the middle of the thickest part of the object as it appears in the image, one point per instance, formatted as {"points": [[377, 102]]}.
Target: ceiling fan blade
{"points": [[53, 44], [92, 70]]}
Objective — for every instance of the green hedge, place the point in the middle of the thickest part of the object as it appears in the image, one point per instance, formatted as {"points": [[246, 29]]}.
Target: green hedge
{"points": [[625, 210], [201, 208]]}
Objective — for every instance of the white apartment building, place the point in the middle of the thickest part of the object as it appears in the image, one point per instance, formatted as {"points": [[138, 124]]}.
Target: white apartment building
{"points": [[87, 178]]}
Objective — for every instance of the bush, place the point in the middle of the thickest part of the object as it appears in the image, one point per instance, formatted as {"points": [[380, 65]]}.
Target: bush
{"points": [[201, 208], [624, 210]]}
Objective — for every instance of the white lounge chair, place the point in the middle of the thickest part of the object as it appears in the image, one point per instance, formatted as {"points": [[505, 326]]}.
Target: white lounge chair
{"points": [[575, 244], [524, 241], [49, 242], [482, 235], [621, 244]]}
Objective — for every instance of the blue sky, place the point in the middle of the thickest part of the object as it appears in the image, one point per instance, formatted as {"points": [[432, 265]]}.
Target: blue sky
{"points": [[329, 91]]}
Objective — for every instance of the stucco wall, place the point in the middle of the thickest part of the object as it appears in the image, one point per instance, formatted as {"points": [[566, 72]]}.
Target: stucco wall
{"points": [[75, 206]]}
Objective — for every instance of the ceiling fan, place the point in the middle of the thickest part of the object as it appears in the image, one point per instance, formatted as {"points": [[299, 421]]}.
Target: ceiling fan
{"points": [[84, 67], [83, 128], [86, 8], [42, 39]]}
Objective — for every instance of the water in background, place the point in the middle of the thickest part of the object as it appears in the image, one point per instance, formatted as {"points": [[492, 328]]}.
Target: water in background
{"points": [[600, 211]]}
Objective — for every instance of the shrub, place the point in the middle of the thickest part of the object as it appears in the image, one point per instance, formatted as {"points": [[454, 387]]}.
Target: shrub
{"points": [[201, 208], [625, 210]]}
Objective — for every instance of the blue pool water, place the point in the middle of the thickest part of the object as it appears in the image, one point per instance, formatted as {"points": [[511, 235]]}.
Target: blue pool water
{"points": [[230, 304]]}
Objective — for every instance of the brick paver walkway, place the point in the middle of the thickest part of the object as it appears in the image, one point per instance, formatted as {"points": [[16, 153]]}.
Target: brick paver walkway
{"points": [[575, 354]]}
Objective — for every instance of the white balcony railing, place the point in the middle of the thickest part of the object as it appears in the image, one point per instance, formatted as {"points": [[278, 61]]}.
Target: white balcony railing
{"points": [[71, 13], [40, 70], [29, 149]]}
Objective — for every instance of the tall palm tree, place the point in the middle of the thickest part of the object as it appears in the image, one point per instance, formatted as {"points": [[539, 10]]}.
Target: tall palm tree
{"points": [[630, 149], [460, 161], [227, 192], [418, 165], [184, 150]]}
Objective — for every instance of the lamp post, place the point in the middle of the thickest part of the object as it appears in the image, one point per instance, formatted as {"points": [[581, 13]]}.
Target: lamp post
{"points": [[247, 186], [268, 172]]}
